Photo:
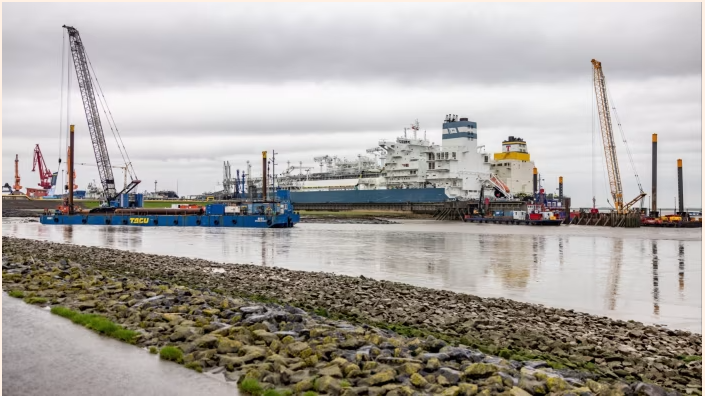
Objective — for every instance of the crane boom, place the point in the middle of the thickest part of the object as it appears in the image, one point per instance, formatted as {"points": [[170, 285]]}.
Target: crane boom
{"points": [[603, 110], [91, 109], [95, 128]]}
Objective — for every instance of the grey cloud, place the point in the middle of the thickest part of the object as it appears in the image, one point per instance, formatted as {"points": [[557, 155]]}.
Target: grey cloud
{"points": [[654, 104], [143, 45], [193, 84], [194, 149]]}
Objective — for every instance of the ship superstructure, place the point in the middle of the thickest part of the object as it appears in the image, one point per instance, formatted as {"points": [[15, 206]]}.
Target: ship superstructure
{"points": [[458, 166], [406, 163], [340, 174], [513, 165]]}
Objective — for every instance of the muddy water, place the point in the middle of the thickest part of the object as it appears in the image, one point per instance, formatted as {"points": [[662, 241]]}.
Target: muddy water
{"points": [[648, 275]]}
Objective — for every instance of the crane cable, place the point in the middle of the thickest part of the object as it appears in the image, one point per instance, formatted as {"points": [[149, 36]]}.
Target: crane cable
{"points": [[69, 59], [111, 122], [624, 139], [592, 90], [103, 105], [68, 107], [61, 100]]}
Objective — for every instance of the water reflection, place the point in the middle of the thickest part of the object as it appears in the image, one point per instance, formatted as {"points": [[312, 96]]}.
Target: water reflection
{"points": [[264, 250], [535, 252], [654, 272], [134, 235], [681, 268], [580, 268], [68, 234], [615, 272], [109, 235], [514, 266]]}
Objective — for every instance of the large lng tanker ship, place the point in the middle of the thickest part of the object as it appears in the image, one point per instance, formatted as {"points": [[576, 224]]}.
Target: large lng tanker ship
{"points": [[412, 169]]}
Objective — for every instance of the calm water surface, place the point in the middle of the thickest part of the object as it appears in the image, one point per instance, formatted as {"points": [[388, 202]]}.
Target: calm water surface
{"points": [[649, 275]]}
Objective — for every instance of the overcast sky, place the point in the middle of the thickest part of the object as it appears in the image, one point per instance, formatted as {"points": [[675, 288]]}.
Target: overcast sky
{"points": [[193, 84]]}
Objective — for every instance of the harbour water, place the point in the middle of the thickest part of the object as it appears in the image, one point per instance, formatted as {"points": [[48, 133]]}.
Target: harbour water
{"points": [[648, 275]]}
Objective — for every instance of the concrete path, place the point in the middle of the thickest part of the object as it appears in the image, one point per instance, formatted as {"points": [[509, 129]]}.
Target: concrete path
{"points": [[43, 354]]}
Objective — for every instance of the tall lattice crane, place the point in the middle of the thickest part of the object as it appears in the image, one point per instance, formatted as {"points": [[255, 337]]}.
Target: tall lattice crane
{"points": [[608, 142], [95, 128]]}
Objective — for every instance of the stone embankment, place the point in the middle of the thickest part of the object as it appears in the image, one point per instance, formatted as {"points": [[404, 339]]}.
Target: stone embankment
{"points": [[345, 220], [343, 335]]}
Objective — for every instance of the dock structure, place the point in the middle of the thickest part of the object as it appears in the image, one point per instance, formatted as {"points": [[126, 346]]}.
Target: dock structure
{"points": [[613, 219], [456, 210], [459, 210], [413, 207]]}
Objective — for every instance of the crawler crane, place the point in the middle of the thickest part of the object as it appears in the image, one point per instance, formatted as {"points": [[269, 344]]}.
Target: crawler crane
{"points": [[608, 143], [90, 105]]}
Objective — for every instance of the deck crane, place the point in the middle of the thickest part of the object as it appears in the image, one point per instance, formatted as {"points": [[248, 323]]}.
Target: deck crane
{"points": [[95, 128], [44, 172], [608, 142]]}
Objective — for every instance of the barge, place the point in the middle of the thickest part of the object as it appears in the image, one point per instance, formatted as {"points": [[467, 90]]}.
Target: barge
{"points": [[541, 211], [683, 220], [518, 217], [277, 213]]}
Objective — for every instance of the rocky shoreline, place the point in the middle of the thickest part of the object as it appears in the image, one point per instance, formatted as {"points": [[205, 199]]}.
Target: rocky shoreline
{"points": [[344, 335]]}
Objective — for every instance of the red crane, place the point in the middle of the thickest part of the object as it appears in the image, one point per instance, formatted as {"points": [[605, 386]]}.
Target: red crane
{"points": [[44, 172]]}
